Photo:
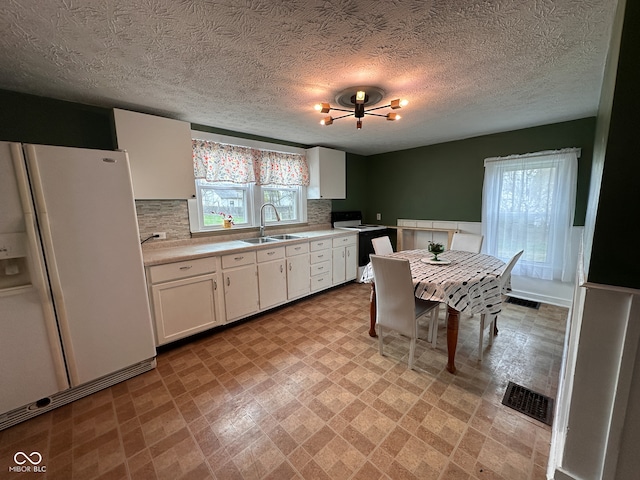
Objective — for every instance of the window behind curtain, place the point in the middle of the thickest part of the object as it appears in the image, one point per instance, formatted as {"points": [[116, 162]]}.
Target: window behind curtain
{"points": [[235, 181], [528, 204]]}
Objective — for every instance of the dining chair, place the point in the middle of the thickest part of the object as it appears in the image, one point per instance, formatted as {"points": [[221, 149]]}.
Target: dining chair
{"points": [[382, 245], [467, 242], [397, 307], [503, 278]]}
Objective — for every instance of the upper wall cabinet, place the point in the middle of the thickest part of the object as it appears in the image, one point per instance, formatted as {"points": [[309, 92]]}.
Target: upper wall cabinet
{"points": [[327, 172], [160, 155]]}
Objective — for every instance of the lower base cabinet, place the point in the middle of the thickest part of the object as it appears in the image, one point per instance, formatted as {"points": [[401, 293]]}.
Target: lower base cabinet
{"points": [[240, 292], [189, 297], [272, 277], [184, 299]]}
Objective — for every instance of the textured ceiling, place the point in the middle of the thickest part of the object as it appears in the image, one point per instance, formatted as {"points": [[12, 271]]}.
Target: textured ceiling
{"points": [[467, 67]]}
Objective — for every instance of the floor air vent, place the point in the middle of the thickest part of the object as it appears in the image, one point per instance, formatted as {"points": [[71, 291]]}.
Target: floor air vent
{"points": [[524, 303], [529, 402]]}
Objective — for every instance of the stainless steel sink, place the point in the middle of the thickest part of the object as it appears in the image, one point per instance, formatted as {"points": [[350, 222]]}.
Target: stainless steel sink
{"points": [[284, 236], [259, 240]]}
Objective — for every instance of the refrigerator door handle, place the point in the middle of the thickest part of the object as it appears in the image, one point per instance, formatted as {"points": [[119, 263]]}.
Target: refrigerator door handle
{"points": [[38, 274], [54, 279]]}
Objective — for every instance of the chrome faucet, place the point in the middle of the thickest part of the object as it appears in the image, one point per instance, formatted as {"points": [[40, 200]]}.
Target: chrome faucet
{"points": [[262, 216]]}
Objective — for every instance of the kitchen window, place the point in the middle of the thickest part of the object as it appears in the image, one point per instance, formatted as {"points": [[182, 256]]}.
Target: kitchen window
{"points": [[218, 200], [234, 181]]}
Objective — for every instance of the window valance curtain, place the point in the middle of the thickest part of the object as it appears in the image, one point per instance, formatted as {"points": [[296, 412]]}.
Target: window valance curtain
{"points": [[219, 162]]}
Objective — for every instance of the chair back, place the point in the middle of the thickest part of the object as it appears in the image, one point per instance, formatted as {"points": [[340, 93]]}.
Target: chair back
{"points": [[467, 242], [395, 300], [505, 275], [382, 245]]}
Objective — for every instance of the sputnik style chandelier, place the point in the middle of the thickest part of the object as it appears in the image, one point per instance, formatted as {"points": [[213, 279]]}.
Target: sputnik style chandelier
{"points": [[357, 99]]}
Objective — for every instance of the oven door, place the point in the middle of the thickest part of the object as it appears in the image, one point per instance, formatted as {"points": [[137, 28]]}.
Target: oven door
{"points": [[365, 247]]}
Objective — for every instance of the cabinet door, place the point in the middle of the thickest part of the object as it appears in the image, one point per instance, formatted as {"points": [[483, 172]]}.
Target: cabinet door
{"points": [[272, 283], [327, 173], [351, 264], [240, 292], [298, 276], [184, 307], [160, 155], [338, 265]]}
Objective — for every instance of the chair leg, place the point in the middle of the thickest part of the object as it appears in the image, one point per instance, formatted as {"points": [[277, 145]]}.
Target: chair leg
{"points": [[412, 350], [482, 319], [434, 326], [380, 340]]}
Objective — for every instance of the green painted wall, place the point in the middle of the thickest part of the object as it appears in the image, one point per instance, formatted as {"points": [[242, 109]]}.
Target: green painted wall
{"points": [[356, 186], [32, 119], [617, 208], [444, 181]]}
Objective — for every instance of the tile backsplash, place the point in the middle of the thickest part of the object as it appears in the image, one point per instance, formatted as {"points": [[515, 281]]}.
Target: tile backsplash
{"points": [[172, 217]]}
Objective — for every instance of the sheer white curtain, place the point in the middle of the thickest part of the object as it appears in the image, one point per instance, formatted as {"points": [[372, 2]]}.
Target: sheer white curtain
{"points": [[528, 203]]}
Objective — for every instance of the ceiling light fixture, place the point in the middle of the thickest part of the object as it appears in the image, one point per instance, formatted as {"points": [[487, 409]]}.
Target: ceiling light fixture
{"points": [[357, 99]]}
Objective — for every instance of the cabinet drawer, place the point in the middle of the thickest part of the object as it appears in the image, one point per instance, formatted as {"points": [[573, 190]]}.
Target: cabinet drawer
{"points": [[320, 244], [320, 281], [270, 254], [238, 259], [320, 256], [188, 268], [320, 268], [297, 249], [343, 241]]}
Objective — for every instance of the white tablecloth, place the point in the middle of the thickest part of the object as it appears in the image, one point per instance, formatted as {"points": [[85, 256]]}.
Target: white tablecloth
{"points": [[468, 284]]}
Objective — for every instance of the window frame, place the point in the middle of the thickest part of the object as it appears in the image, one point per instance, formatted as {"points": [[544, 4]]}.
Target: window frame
{"points": [[255, 192]]}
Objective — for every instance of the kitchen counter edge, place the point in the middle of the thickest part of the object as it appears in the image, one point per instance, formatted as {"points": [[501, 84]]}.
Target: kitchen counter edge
{"points": [[160, 256]]}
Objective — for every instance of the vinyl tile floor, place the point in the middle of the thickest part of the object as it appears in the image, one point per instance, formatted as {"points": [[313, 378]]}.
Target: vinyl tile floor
{"points": [[301, 393]]}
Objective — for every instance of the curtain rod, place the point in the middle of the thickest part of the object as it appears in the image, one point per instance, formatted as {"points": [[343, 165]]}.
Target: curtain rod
{"points": [[578, 152]]}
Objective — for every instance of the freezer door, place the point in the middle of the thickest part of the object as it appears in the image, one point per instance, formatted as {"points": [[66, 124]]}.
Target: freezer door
{"points": [[87, 218], [31, 362]]}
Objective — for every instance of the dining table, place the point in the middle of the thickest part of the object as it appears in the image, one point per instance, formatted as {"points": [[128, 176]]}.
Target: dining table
{"points": [[465, 282]]}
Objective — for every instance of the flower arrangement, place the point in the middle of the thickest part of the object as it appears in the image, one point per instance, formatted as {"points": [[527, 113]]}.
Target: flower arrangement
{"points": [[436, 249], [227, 219]]}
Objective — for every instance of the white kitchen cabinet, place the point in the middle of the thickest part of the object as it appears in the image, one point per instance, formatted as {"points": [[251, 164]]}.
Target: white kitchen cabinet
{"points": [[240, 279], [185, 298], [327, 173], [272, 277], [298, 283], [344, 259], [160, 155], [320, 264]]}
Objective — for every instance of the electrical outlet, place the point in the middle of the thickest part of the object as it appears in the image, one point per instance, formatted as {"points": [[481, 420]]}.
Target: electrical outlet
{"points": [[161, 235], [378, 216]]}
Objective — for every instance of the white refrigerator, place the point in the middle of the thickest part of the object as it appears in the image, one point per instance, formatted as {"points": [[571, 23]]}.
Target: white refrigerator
{"points": [[74, 312]]}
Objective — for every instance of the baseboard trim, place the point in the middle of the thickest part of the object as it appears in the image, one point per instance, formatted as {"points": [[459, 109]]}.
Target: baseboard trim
{"points": [[59, 399]]}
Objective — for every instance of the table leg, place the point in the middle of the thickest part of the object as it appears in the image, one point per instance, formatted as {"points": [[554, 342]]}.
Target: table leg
{"points": [[372, 312], [453, 320]]}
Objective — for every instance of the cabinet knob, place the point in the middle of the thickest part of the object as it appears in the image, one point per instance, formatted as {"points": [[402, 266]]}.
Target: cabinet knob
{"points": [[228, 281], [271, 252], [239, 258], [320, 256], [186, 267], [281, 268]]}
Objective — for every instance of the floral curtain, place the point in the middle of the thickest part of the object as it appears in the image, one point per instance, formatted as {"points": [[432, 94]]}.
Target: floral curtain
{"points": [[277, 168], [218, 162]]}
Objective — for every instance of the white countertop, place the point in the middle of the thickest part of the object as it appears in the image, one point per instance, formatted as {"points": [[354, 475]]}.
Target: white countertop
{"points": [[170, 254]]}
